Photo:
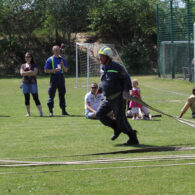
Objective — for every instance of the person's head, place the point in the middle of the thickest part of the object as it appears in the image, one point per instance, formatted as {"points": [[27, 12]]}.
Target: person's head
{"points": [[193, 91], [29, 58], [135, 82], [94, 88], [56, 50], [105, 55]]}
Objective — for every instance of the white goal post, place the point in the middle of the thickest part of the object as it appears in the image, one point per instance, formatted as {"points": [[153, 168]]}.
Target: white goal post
{"points": [[87, 62]]}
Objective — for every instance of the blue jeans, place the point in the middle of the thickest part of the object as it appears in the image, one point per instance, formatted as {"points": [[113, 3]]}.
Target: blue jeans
{"points": [[89, 115]]}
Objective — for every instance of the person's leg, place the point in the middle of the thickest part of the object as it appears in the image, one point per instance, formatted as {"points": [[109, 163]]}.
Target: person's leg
{"points": [[118, 106], [146, 112], [51, 92], [27, 103], [61, 93], [37, 102], [90, 115], [102, 115]]}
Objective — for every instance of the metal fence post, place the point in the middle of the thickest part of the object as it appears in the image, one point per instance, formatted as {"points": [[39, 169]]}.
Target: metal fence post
{"points": [[188, 29], [158, 37], [171, 38]]}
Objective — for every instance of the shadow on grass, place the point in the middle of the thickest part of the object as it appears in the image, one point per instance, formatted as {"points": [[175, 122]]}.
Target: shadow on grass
{"points": [[82, 116], [54, 116], [145, 148], [4, 116], [137, 146], [77, 115]]}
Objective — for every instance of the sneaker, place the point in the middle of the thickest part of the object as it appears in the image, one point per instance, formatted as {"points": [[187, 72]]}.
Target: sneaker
{"points": [[28, 114], [65, 113], [41, 114], [51, 114]]}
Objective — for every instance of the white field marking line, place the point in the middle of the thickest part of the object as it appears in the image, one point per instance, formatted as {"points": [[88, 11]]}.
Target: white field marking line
{"points": [[173, 92], [109, 159], [101, 161], [62, 163], [93, 169]]}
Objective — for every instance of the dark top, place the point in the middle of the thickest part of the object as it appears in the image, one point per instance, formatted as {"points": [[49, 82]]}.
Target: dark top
{"points": [[29, 79], [114, 79]]}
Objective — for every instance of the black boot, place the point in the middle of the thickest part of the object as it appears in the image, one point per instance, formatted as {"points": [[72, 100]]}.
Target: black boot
{"points": [[116, 131], [50, 112], [116, 134], [133, 140], [65, 113]]}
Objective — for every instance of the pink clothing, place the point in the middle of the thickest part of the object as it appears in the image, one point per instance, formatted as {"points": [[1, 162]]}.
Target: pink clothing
{"points": [[135, 92]]}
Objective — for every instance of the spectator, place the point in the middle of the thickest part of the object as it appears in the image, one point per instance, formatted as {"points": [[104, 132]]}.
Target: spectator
{"points": [[190, 103], [135, 107], [92, 101], [29, 72], [56, 66]]}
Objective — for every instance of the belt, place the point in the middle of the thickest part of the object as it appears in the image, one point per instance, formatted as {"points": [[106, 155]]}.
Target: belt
{"points": [[113, 96]]}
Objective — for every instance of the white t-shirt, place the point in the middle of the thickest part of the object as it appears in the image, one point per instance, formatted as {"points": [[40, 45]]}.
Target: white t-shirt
{"points": [[94, 101]]}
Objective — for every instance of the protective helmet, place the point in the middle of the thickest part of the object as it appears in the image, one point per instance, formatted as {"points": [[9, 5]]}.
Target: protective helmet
{"points": [[107, 51]]}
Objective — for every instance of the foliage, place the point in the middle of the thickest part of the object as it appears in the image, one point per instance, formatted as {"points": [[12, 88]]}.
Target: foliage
{"points": [[129, 22], [19, 21], [37, 25], [137, 58]]}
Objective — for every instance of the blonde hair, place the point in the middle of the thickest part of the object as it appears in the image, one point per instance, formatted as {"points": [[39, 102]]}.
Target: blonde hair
{"points": [[135, 81]]}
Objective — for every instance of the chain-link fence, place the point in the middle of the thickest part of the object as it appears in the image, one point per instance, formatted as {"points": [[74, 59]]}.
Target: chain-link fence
{"points": [[175, 20]]}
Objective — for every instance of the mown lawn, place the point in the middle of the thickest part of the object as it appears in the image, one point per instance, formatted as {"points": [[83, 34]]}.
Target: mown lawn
{"points": [[68, 138]]}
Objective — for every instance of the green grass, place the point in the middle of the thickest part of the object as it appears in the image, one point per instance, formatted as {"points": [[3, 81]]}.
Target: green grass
{"points": [[65, 138]]}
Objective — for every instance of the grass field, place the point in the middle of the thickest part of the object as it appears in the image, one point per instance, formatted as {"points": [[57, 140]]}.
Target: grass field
{"points": [[68, 139]]}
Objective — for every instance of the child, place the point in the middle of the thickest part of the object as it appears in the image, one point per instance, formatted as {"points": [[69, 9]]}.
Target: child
{"points": [[135, 107]]}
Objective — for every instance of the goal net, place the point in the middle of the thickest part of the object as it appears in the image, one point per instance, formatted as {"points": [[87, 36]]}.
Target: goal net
{"points": [[87, 62]]}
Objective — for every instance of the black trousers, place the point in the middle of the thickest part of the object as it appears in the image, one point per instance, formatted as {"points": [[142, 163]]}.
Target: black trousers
{"points": [[57, 81], [118, 105]]}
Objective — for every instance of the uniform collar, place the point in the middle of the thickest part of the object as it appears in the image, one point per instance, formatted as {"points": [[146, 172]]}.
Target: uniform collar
{"points": [[107, 67]]}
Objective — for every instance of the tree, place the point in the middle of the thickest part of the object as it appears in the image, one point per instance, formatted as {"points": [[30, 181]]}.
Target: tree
{"points": [[20, 19], [131, 23]]}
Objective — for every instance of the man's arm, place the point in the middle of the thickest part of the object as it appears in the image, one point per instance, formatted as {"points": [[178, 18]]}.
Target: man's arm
{"points": [[125, 78], [90, 108], [50, 71], [29, 73], [184, 109], [65, 68]]}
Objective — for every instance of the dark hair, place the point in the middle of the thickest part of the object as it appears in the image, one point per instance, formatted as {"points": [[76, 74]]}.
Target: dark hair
{"points": [[95, 84], [32, 59]]}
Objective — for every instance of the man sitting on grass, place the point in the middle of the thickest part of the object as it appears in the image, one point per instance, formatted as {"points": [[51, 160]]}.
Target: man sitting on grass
{"points": [[92, 101]]}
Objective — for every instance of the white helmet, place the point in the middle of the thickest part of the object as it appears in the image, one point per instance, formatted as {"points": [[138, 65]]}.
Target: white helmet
{"points": [[107, 51]]}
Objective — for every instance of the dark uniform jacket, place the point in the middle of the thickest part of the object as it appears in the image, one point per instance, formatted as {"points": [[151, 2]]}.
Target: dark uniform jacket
{"points": [[114, 79]]}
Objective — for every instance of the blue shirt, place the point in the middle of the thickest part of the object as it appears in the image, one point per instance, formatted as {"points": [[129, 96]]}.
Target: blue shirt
{"points": [[48, 64], [114, 79]]}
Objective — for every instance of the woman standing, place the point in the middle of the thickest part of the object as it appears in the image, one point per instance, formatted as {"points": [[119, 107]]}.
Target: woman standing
{"points": [[29, 72]]}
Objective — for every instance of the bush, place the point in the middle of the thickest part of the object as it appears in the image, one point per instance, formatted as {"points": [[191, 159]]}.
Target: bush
{"points": [[137, 58]]}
